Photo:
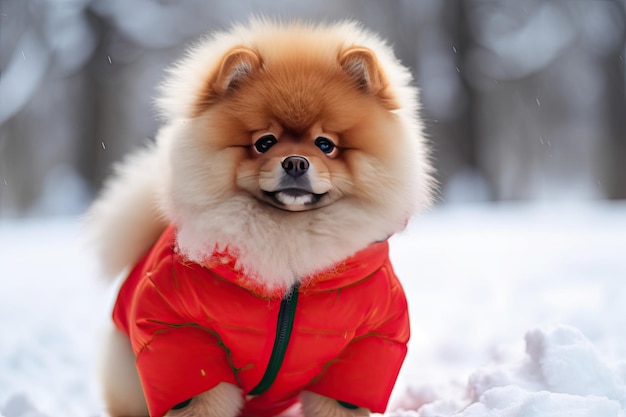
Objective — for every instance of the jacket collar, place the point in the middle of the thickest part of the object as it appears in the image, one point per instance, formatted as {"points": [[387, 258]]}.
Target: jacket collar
{"points": [[348, 272]]}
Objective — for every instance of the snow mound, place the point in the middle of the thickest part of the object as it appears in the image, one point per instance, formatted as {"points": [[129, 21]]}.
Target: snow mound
{"points": [[19, 406], [561, 375]]}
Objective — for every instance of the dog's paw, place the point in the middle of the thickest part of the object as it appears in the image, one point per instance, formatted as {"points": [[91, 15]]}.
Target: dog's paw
{"points": [[314, 405], [225, 400]]}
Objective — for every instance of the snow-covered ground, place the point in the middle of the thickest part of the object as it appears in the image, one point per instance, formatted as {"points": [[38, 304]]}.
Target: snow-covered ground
{"points": [[517, 311]]}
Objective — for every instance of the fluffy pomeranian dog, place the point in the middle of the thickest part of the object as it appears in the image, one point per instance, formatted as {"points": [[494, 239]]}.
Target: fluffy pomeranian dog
{"points": [[254, 232]]}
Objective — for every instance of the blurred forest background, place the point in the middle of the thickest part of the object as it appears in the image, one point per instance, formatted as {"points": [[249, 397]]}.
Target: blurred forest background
{"points": [[523, 99]]}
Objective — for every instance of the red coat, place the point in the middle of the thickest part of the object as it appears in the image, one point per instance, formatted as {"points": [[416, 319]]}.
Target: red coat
{"points": [[194, 326]]}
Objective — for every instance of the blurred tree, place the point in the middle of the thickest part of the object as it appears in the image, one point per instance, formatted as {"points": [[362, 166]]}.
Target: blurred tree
{"points": [[541, 93], [616, 82]]}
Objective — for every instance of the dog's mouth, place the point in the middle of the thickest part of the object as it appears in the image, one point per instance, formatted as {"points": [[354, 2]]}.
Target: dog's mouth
{"points": [[293, 199]]}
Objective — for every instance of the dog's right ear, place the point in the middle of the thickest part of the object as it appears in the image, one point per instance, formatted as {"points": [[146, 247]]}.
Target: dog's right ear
{"points": [[237, 65]]}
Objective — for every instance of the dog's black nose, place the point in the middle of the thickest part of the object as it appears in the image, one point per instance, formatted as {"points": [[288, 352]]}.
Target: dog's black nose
{"points": [[296, 166]]}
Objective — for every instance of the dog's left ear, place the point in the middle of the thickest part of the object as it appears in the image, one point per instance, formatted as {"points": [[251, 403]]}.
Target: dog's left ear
{"points": [[362, 66]]}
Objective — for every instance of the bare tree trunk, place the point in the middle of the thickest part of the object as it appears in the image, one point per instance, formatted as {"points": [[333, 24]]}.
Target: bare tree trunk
{"points": [[616, 76]]}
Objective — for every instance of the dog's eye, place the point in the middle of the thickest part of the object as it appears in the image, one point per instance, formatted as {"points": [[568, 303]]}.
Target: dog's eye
{"points": [[326, 145], [264, 143]]}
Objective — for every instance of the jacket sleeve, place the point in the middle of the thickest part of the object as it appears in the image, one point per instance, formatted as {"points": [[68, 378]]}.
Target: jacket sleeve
{"points": [[367, 369], [176, 358]]}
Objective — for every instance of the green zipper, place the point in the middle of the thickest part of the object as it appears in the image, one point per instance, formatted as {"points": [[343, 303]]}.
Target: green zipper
{"points": [[284, 326]]}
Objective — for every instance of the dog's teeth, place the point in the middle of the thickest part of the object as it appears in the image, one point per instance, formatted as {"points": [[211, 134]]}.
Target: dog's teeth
{"points": [[290, 200]]}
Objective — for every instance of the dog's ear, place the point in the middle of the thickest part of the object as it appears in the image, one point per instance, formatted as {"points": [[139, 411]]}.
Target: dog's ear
{"points": [[362, 66], [237, 65]]}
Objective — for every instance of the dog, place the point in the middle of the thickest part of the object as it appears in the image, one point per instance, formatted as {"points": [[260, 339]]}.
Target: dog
{"points": [[253, 233]]}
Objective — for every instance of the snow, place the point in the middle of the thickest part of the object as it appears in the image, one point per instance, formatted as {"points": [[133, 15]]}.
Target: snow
{"points": [[561, 375], [517, 311]]}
